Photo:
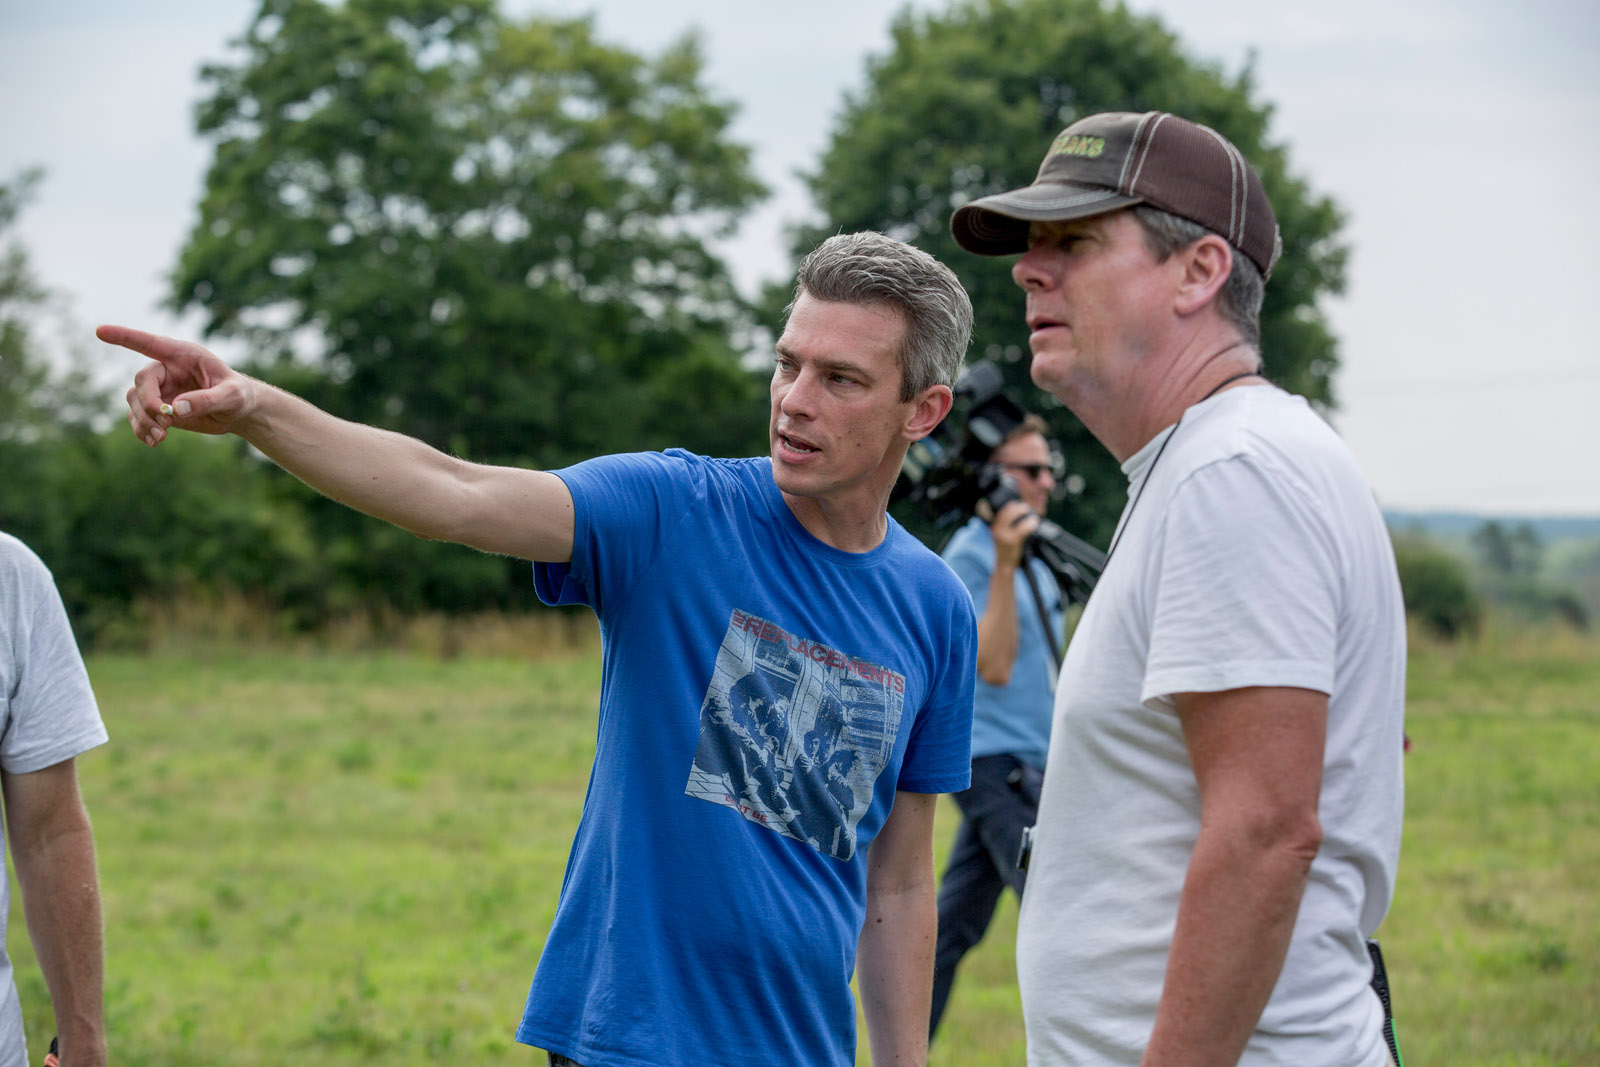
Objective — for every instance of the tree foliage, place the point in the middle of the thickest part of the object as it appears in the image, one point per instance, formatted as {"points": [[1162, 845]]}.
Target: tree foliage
{"points": [[44, 407], [489, 234], [38, 399], [1511, 558], [27, 431], [486, 233], [1509, 550], [195, 516], [22, 374], [113, 521], [965, 103]]}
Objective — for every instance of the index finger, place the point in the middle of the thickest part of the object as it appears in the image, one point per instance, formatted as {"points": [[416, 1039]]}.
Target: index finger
{"points": [[153, 345]]}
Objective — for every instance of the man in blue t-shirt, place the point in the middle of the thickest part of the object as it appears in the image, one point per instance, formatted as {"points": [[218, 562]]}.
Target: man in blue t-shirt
{"points": [[1018, 602], [787, 677]]}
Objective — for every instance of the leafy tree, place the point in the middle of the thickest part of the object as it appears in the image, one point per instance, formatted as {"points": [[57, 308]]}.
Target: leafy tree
{"points": [[1512, 560], [43, 406], [965, 103], [22, 374], [1509, 552], [490, 234], [115, 522], [36, 398]]}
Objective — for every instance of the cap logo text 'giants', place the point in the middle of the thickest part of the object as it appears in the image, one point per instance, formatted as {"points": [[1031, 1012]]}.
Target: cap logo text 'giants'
{"points": [[1078, 145]]}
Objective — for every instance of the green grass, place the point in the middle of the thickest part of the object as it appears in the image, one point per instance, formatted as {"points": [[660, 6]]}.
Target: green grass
{"points": [[1494, 936], [320, 861], [331, 860]]}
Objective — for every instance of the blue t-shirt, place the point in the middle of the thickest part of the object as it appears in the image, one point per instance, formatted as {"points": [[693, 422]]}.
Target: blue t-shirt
{"points": [[763, 696], [1012, 719]]}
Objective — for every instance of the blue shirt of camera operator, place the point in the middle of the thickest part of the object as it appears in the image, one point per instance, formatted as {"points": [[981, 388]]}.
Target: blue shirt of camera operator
{"points": [[1014, 696]]}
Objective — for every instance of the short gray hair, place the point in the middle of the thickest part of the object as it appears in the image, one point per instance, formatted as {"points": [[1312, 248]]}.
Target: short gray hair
{"points": [[1240, 298], [872, 269]]}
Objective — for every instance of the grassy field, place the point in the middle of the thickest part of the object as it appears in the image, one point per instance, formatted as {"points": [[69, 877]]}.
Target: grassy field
{"points": [[342, 859]]}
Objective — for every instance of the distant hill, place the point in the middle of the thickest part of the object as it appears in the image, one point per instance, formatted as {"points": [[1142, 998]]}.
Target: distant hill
{"points": [[1459, 524]]}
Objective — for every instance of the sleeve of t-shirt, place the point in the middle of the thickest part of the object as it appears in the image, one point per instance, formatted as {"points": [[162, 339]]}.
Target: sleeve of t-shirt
{"points": [[972, 565], [1246, 586], [51, 713], [939, 752], [625, 509]]}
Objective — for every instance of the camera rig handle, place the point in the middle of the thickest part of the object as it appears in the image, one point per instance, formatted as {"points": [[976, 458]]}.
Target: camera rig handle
{"points": [[1075, 562]]}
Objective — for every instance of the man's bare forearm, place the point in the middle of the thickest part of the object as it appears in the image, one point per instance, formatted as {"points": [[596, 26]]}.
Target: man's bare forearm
{"points": [[61, 901], [1235, 919], [998, 631], [1257, 758], [894, 971], [894, 957]]}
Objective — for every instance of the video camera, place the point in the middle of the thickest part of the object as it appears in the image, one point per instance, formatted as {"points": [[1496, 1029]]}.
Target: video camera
{"points": [[947, 477]]}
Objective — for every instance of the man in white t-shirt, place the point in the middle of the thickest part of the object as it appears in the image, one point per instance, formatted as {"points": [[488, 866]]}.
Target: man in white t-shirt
{"points": [[48, 716], [1220, 823]]}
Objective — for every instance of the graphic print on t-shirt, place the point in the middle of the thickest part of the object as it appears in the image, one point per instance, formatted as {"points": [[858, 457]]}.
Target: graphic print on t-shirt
{"points": [[793, 733]]}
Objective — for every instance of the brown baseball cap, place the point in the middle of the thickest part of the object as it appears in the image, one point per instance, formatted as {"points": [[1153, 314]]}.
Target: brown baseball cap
{"points": [[1114, 160]]}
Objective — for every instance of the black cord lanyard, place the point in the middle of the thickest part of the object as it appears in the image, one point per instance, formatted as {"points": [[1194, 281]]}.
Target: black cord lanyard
{"points": [[1127, 519]]}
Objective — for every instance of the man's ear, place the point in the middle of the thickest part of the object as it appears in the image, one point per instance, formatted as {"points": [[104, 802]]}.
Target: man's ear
{"points": [[927, 412], [1206, 266]]}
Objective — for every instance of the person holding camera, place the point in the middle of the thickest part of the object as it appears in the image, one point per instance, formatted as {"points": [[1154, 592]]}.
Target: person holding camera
{"points": [[48, 717], [1219, 827], [1019, 608], [786, 676]]}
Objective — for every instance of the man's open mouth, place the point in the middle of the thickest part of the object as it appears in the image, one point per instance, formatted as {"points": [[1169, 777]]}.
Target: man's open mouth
{"points": [[794, 445]]}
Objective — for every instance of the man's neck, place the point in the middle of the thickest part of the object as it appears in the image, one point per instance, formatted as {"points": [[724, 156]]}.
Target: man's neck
{"points": [[1157, 395], [848, 526]]}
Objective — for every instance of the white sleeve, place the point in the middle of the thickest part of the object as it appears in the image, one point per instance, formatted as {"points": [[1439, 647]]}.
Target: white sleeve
{"points": [[50, 710], [1246, 586]]}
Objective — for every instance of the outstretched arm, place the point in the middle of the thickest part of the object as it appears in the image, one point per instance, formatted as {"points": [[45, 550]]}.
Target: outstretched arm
{"points": [[894, 959], [508, 510], [53, 849]]}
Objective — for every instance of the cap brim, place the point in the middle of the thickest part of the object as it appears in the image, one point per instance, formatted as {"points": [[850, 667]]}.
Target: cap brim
{"points": [[998, 225]]}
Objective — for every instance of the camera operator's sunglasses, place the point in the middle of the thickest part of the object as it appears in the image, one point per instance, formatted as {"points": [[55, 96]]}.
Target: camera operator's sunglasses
{"points": [[1034, 470]]}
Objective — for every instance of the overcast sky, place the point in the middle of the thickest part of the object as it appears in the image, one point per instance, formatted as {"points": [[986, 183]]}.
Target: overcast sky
{"points": [[1462, 139]]}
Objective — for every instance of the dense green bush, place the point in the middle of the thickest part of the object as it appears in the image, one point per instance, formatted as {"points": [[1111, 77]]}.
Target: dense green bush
{"points": [[1438, 593], [118, 523], [123, 526]]}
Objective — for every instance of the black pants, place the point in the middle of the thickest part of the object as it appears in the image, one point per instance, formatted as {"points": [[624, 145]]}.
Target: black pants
{"points": [[1002, 801]]}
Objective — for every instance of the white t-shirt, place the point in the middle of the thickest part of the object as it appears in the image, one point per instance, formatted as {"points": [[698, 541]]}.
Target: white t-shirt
{"points": [[47, 714], [1254, 556]]}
